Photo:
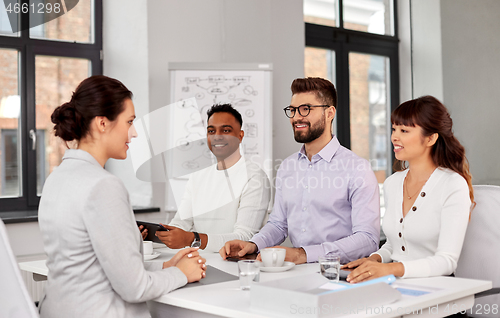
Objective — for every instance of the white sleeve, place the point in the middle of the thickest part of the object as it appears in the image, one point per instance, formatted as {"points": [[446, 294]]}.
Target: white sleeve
{"points": [[112, 230], [385, 251], [252, 209], [183, 218]]}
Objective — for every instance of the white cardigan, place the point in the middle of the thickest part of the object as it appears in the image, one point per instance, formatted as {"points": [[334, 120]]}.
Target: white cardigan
{"points": [[428, 240], [94, 247]]}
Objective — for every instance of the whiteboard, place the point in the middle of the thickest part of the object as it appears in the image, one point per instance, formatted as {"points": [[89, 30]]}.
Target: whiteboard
{"points": [[246, 86]]}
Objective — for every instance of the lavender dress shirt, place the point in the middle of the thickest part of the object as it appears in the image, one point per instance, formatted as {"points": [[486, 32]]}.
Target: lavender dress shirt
{"points": [[327, 205]]}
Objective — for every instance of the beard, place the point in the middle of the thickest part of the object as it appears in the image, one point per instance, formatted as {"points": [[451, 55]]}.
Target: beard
{"points": [[312, 133]]}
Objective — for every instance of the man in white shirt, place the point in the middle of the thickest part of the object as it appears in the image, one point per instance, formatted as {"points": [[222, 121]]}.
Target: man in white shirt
{"points": [[225, 201]]}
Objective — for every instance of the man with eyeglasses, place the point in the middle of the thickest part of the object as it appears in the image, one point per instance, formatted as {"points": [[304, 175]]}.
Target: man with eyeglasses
{"points": [[327, 197]]}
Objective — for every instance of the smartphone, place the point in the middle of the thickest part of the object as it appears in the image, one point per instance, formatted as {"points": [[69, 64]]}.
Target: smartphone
{"points": [[237, 258], [152, 228]]}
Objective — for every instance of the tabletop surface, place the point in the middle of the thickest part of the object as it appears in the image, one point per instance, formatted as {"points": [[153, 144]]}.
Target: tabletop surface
{"points": [[227, 300]]}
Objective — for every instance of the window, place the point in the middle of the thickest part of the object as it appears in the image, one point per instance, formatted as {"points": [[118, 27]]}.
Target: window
{"points": [[354, 44], [40, 66]]}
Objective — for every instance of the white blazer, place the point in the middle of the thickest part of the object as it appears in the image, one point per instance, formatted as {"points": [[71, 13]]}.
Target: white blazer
{"points": [[94, 247]]}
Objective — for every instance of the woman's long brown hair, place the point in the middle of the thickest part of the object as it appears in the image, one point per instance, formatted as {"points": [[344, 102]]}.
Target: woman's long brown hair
{"points": [[430, 114]]}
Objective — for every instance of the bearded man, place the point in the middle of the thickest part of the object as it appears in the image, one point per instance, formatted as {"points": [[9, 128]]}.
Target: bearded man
{"points": [[327, 197]]}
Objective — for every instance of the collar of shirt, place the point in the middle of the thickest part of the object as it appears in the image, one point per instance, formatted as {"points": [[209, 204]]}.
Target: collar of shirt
{"points": [[327, 153], [80, 155]]}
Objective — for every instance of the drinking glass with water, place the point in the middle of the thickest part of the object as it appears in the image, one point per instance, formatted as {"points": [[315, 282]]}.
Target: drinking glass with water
{"points": [[249, 271], [330, 267]]}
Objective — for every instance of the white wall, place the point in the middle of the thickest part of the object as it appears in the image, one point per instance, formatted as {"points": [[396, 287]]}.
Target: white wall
{"points": [[471, 86], [455, 58], [427, 55], [405, 58], [125, 48]]}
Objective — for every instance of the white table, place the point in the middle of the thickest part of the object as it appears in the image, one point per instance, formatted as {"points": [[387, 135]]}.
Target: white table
{"points": [[227, 300]]}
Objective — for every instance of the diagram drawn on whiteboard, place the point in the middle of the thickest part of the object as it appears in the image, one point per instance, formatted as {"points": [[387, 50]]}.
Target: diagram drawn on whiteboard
{"points": [[241, 89], [216, 85]]}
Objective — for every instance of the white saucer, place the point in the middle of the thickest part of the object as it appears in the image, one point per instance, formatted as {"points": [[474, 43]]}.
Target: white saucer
{"points": [[286, 266], [151, 256], [158, 245]]}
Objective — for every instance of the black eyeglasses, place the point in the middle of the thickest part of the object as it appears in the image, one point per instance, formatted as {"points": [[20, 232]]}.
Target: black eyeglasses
{"points": [[304, 110]]}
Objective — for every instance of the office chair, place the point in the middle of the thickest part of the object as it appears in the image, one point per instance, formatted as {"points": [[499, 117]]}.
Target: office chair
{"points": [[14, 298], [480, 257]]}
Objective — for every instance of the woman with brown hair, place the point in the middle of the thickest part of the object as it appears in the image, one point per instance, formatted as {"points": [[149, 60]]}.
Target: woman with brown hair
{"points": [[94, 250], [427, 201]]}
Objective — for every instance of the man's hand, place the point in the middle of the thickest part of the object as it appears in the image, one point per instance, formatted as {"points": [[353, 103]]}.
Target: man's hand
{"points": [[295, 255], [175, 237], [144, 231], [237, 248]]}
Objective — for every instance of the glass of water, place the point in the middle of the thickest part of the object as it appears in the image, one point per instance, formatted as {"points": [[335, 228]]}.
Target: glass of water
{"points": [[249, 271], [330, 267]]}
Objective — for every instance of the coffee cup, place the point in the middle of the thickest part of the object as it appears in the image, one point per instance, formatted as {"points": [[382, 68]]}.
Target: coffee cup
{"points": [[273, 257], [147, 247]]}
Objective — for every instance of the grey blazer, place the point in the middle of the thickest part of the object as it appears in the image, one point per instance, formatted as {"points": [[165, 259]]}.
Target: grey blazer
{"points": [[94, 248]]}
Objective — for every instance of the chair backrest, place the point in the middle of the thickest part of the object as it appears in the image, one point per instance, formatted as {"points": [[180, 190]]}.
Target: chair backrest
{"points": [[480, 257], [14, 298]]}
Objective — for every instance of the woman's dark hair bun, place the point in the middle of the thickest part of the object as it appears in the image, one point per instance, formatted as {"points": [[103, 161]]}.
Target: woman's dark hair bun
{"points": [[66, 122], [97, 95]]}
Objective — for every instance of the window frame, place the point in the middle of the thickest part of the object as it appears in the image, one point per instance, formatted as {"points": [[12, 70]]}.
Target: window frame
{"points": [[344, 41], [28, 48]]}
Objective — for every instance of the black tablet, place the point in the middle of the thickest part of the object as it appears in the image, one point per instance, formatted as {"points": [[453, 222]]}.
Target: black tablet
{"points": [[152, 228], [247, 256]]}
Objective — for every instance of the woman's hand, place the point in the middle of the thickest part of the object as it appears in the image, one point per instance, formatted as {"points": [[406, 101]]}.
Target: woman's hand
{"points": [[371, 269], [193, 267], [188, 252], [358, 262]]}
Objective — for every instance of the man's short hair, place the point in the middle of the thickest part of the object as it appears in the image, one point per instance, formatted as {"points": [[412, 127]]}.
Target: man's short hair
{"points": [[225, 108], [324, 89]]}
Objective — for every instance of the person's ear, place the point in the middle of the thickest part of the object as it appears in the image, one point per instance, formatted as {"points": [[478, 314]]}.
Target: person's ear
{"points": [[330, 113], [241, 135], [431, 140], [100, 123]]}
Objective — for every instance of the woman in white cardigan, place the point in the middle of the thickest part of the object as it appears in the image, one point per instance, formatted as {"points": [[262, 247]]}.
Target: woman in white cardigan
{"points": [[94, 248], [427, 202]]}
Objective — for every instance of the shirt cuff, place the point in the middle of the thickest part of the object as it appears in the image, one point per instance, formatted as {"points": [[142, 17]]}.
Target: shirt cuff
{"points": [[313, 252], [259, 241], [381, 257], [179, 278], [153, 266], [407, 270]]}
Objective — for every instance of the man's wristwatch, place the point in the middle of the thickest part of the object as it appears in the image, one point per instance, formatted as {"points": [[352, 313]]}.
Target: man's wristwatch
{"points": [[197, 240]]}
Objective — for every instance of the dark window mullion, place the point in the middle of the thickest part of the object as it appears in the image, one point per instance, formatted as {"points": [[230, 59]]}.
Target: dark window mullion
{"points": [[31, 125], [340, 10], [98, 25], [394, 78], [343, 108], [25, 23]]}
